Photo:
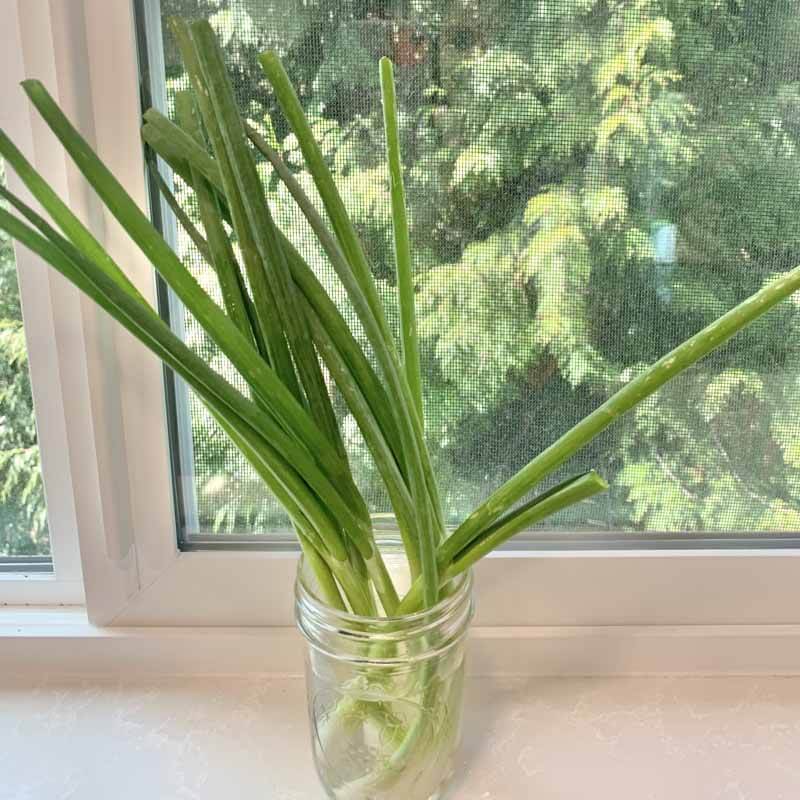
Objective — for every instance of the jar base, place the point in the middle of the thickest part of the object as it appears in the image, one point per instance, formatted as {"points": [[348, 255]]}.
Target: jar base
{"points": [[439, 794], [404, 792]]}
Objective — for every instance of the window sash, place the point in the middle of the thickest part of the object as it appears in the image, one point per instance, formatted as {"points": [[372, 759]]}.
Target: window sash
{"points": [[115, 459], [151, 49], [56, 579]]}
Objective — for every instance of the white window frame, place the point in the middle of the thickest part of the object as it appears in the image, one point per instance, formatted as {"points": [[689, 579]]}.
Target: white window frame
{"points": [[118, 480], [41, 291]]}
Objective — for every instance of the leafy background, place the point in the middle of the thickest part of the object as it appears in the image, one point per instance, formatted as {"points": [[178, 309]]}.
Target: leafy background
{"points": [[23, 518], [589, 182]]}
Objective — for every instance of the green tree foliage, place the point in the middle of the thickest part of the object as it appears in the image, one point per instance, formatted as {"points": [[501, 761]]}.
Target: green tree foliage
{"points": [[588, 182], [23, 518]]}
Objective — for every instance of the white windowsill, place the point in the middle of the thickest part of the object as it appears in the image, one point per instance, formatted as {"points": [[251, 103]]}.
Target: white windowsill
{"points": [[221, 712], [61, 641], [549, 739]]}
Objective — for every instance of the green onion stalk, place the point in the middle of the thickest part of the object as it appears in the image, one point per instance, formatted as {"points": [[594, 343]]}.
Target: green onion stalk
{"points": [[282, 333]]}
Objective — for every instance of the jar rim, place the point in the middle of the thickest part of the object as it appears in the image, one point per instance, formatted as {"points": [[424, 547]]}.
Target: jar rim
{"points": [[347, 637], [463, 587]]}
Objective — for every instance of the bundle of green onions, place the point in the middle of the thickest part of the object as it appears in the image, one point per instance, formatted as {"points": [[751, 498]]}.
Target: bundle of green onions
{"points": [[278, 327]]}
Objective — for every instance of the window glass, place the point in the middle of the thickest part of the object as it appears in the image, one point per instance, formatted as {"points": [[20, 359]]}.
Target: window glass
{"points": [[23, 517], [588, 183]]}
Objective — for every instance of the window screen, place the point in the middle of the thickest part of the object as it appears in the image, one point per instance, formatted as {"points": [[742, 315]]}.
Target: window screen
{"points": [[588, 183]]}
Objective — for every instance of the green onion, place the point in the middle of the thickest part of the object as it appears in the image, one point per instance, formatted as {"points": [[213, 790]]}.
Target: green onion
{"points": [[219, 251], [269, 325], [641, 387], [545, 505], [376, 327], [402, 241]]}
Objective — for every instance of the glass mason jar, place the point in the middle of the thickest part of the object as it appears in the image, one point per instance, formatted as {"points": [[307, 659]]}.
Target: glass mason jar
{"points": [[384, 694]]}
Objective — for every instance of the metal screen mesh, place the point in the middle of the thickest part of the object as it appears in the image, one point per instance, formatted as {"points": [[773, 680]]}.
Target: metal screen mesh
{"points": [[589, 183]]}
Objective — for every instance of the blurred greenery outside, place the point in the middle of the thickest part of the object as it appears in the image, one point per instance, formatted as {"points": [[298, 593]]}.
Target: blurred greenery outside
{"points": [[23, 517], [589, 183]]}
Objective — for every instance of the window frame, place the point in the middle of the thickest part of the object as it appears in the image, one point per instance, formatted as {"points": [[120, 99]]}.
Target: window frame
{"points": [[120, 483], [40, 294]]}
